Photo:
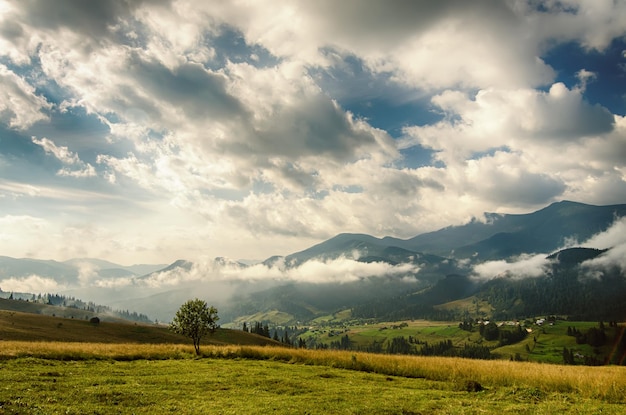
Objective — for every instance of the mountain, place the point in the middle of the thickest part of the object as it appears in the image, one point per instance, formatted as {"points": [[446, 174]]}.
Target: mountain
{"points": [[68, 272], [501, 236], [497, 236], [445, 276], [24, 267], [430, 275], [570, 286], [347, 245]]}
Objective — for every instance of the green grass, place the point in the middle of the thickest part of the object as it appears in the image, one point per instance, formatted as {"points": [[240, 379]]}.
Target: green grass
{"points": [[244, 380], [275, 316], [423, 330], [550, 341]]}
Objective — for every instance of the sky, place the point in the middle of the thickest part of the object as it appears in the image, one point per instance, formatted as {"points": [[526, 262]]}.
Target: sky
{"points": [[149, 131]]}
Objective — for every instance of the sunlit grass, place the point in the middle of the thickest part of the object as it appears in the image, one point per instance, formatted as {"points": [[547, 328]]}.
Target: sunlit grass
{"points": [[603, 383]]}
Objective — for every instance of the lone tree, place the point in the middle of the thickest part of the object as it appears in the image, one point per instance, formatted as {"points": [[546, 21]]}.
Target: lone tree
{"points": [[195, 319]]}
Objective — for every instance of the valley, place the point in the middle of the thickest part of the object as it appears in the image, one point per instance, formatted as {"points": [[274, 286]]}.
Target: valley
{"points": [[354, 291]]}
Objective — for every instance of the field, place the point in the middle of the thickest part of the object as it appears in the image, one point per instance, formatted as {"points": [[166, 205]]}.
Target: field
{"points": [[50, 365], [543, 344], [77, 378]]}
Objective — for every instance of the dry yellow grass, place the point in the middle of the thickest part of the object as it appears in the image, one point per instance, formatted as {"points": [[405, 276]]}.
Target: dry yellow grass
{"points": [[85, 351], [607, 382], [604, 383]]}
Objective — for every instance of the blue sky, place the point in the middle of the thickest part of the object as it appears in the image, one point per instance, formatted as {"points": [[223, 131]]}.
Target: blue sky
{"points": [[148, 131]]}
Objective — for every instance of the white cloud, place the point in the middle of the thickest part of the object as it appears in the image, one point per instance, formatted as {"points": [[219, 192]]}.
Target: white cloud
{"points": [[20, 106], [30, 284], [340, 270], [65, 156], [613, 239], [615, 235], [218, 145], [592, 23], [524, 266], [509, 117], [61, 153], [87, 272], [117, 282]]}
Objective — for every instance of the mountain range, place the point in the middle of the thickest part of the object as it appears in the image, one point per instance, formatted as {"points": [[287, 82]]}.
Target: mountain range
{"points": [[504, 265]]}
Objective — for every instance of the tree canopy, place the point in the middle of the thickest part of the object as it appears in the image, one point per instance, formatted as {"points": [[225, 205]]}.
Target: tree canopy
{"points": [[195, 319]]}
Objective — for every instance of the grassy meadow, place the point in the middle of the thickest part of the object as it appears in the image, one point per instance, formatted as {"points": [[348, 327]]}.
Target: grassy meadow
{"points": [[543, 344], [42, 328], [50, 365], [78, 378]]}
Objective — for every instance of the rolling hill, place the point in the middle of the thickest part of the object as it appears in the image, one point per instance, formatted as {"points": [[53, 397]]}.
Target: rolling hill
{"points": [[28, 326]]}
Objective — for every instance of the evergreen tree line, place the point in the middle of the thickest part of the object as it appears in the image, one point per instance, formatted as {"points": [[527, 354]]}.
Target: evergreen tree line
{"points": [[569, 358], [594, 336], [282, 335], [57, 300], [411, 346], [564, 290], [505, 336], [613, 337], [400, 308]]}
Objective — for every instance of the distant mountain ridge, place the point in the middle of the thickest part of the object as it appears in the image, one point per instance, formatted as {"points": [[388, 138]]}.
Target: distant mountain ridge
{"points": [[497, 237], [441, 262], [70, 270]]}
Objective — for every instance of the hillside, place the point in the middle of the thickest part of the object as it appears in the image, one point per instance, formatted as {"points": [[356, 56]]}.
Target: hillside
{"points": [[20, 326]]}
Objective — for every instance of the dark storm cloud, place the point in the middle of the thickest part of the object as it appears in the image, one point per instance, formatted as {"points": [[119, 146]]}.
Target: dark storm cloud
{"points": [[91, 18], [190, 87]]}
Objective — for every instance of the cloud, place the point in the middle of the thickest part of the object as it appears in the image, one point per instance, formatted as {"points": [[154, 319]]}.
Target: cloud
{"points": [[117, 282], [65, 156], [30, 284], [20, 106], [340, 270], [521, 147], [509, 117], [524, 266], [613, 239], [87, 272], [593, 24], [504, 178], [536, 265], [424, 45], [615, 235], [211, 122]]}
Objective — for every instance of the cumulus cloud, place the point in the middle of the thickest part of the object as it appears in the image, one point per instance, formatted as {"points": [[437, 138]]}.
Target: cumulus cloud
{"points": [[593, 24], [421, 44], [511, 118], [222, 131]]}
